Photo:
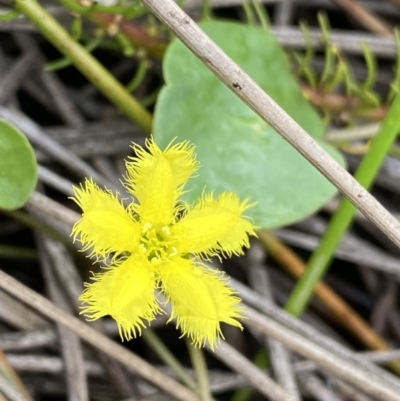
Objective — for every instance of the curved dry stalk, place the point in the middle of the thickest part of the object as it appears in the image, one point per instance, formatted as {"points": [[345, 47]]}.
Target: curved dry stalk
{"points": [[344, 369], [37, 137], [261, 381], [365, 17], [9, 391], [339, 308], [96, 339], [27, 340], [247, 90], [280, 357], [70, 344], [310, 333], [200, 367], [10, 382]]}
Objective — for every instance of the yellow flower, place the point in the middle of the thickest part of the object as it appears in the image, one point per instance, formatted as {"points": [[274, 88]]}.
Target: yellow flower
{"points": [[158, 243]]}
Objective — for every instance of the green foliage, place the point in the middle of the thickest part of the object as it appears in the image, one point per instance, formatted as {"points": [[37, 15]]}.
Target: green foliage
{"points": [[237, 149], [129, 11], [337, 75], [9, 16], [66, 62], [107, 36], [395, 84], [18, 167]]}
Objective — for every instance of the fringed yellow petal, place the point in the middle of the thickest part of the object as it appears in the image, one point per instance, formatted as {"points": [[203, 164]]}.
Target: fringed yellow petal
{"points": [[215, 225], [156, 178], [149, 246], [106, 226], [200, 299], [126, 292]]}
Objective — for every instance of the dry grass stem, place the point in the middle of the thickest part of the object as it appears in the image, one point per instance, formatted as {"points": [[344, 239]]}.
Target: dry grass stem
{"points": [[279, 355], [59, 153], [96, 339], [346, 370], [365, 17], [263, 383], [310, 333], [71, 348]]}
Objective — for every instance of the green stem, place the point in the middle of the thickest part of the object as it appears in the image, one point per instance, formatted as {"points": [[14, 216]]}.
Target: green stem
{"points": [[153, 341], [85, 62], [200, 367], [9, 15], [151, 98], [65, 62], [395, 151], [127, 47], [207, 14], [139, 75], [75, 7], [30, 221], [261, 14], [129, 12], [17, 252], [249, 12], [344, 215]]}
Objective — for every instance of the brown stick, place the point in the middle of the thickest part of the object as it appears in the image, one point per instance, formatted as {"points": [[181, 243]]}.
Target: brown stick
{"points": [[341, 311], [365, 17]]}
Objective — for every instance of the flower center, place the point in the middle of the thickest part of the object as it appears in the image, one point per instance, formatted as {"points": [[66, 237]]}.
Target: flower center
{"points": [[157, 243]]}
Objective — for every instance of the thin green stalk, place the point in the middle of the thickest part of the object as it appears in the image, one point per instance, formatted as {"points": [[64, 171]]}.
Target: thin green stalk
{"points": [[206, 12], [66, 62], [262, 14], [395, 84], [200, 367], [395, 151], [127, 47], [129, 12], [305, 61], [17, 252], [30, 221], [372, 67], [75, 7], [330, 50], [139, 75], [76, 28], [151, 98], [342, 219], [249, 12], [153, 341], [9, 15], [85, 62]]}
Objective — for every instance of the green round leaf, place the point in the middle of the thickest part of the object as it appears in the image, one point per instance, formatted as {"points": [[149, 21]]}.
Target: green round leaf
{"points": [[18, 167], [238, 150]]}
